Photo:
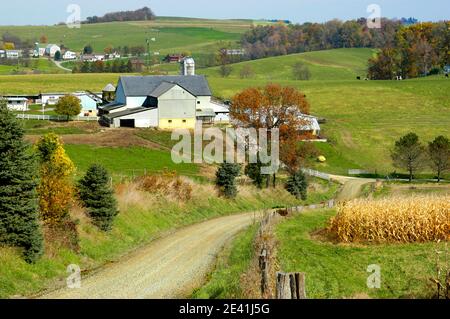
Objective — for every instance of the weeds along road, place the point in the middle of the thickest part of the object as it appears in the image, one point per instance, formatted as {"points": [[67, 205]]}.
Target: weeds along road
{"points": [[170, 267]]}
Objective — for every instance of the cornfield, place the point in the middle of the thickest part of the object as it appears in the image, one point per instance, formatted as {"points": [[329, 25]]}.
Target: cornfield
{"points": [[417, 218]]}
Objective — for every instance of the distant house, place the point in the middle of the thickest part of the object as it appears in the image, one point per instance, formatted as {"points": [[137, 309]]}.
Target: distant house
{"points": [[17, 103], [13, 54], [311, 125], [2, 54], [234, 51], [89, 101], [51, 50], [112, 56], [173, 58], [69, 55]]}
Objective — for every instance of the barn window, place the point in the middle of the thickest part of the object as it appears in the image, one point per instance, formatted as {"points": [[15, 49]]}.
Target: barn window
{"points": [[170, 121], [198, 102], [184, 121]]}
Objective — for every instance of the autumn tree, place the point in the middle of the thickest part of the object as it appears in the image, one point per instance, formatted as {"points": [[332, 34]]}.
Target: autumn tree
{"points": [[226, 179], [69, 106], [385, 66], [271, 107], [19, 224], [98, 197], [55, 189], [409, 154], [43, 39], [439, 153]]}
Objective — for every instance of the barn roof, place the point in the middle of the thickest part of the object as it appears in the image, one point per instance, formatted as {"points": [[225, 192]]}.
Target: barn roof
{"points": [[146, 85], [129, 112], [109, 88]]}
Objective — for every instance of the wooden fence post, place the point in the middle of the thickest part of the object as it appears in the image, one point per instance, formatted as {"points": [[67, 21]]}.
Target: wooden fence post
{"points": [[291, 286], [263, 267]]}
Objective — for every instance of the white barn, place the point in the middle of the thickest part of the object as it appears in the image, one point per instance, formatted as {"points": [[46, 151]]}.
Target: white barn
{"points": [[17, 103]]}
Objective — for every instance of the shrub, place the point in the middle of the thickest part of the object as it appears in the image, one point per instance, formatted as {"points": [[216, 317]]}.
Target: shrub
{"points": [[396, 219], [168, 184]]}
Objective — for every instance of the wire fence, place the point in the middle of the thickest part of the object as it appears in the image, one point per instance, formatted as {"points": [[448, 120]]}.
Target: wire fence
{"points": [[56, 117]]}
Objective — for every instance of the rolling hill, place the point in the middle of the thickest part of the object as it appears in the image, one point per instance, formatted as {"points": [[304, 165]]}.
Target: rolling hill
{"points": [[172, 34], [338, 64]]}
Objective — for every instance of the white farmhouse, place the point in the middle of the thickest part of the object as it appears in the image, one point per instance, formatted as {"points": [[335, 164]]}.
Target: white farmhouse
{"points": [[13, 54], [51, 50], [69, 55]]}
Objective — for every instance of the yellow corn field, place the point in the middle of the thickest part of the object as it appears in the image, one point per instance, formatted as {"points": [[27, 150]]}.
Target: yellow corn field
{"points": [[418, 218]]}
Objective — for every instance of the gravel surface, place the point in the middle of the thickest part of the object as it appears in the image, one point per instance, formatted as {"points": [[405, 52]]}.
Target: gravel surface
{"points": [[170, 267]]}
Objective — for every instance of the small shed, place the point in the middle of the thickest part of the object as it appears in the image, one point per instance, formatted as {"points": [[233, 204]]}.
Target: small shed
{"points": [[17, 103]]}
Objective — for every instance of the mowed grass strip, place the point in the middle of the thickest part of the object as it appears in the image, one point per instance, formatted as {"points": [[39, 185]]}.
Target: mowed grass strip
{"points": [[340, 271], [130, 161]]}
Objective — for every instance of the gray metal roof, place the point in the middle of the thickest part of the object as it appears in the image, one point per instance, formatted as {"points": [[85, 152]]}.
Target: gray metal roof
{"points": [[128, 112], [162, 88], [145, 85], [112, 106]]}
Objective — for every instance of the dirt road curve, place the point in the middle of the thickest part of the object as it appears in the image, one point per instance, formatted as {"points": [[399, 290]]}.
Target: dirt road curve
{"points": [[168, 268], [352, 186]]}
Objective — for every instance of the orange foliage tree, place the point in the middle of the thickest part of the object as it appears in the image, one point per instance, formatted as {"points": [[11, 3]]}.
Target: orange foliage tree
{"points": [[270, 107]]}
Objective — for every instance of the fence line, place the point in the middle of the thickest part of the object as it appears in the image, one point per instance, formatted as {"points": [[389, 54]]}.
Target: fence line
{"points": [[55, 117], [317, 174]]}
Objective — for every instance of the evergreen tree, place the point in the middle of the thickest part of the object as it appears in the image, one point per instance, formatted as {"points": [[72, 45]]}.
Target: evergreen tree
{"points": [[253, 170], [226, 179], [439, 152], [19, 225], [297, 185], [98, 197], [409, 154]]}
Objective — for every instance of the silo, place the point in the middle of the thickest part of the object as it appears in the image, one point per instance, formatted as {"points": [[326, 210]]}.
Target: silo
{"points": [[188, 66]]}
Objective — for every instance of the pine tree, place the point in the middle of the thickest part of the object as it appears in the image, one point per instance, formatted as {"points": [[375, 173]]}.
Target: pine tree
{"points": [[19, 224], [98, 197], [297, 185], [226, 179], [253, 170]]}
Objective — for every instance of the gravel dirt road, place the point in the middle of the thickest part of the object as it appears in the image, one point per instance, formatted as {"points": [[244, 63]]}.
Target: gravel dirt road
{"points": [[170, 267]]}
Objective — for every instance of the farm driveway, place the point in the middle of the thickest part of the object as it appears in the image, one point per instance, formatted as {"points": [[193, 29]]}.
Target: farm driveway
{"points": [[352, 186], [168, 268]]}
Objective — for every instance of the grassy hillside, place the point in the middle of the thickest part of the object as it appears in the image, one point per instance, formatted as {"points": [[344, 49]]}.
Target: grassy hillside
{"points": [[172, 34], [339, 64], [339, 271]]}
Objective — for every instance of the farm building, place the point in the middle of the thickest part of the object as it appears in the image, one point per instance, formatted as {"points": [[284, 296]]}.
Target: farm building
{"points": [[89, 101], [311, 125], [173, 58], [13, 54], [51, 50], [166, 102], [69, 55], [17, 103]]}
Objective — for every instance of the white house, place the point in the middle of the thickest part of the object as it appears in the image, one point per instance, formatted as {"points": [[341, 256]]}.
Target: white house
{"points": [[2, 54], [89, 101], [51, 50], [13, 54], [17, 103], [69, 55]]}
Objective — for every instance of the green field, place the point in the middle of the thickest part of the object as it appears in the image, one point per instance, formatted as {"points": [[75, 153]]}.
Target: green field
{"points": [[339, 64], [39, 65], [364, 118], [172, 34], [339, 271], [130, 161]]}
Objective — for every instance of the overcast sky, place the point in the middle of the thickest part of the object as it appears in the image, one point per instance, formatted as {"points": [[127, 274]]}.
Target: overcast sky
{"points": [[25, 12]]}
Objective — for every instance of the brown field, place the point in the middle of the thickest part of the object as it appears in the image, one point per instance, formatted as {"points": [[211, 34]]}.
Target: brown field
{"points": [[417, 218]]}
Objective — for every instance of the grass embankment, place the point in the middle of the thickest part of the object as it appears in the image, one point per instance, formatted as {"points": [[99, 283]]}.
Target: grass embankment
{"points": [[224, 282], [35, 65], [339, 270], [143, 217]]}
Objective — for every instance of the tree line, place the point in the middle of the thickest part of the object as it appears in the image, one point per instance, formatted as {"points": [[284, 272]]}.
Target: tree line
{"points": [[418, 50], [274, 40], [115, 66], [37, 191], [142, 14]]}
